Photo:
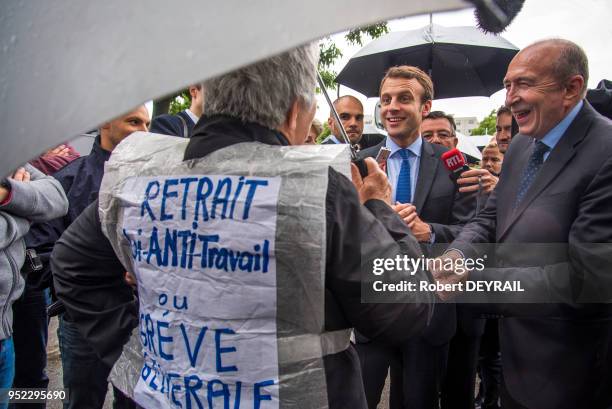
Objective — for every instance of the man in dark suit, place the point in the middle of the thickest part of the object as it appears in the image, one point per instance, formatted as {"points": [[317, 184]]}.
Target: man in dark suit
{"points": [[182, 123], [428, 202], [458, 386], [555, 187]]}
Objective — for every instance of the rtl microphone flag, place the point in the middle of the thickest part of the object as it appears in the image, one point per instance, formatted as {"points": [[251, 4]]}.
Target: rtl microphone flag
{"points": [[454, 161]]}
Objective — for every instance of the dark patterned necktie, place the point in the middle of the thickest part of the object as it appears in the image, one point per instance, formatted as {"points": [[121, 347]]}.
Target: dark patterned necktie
{"points": [[403, 190], [531, 170]]}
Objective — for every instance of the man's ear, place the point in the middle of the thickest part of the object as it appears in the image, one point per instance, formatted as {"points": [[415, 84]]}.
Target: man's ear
{"points": [[426, 108], [105, 126], [193, 91], [574, 87], [292, 116], [289, 126]]}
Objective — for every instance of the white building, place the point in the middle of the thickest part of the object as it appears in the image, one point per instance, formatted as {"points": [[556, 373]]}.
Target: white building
{"points": [[466, 124]]}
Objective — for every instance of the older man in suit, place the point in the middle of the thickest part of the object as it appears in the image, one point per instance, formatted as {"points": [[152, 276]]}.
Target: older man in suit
{"points": [[429, 203], [555, 187]]}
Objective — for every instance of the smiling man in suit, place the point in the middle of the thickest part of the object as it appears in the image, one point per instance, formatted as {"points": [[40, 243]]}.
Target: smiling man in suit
{"points": [[555, 187], [429, 203]]}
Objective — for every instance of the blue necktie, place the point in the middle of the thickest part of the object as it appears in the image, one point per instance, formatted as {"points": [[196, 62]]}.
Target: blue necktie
{"points": [[531, 170], [403, 191]]}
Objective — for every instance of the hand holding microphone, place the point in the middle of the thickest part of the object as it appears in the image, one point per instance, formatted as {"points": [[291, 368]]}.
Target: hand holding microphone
{"points": [[461, 174], [454, 161], [475, 180]]}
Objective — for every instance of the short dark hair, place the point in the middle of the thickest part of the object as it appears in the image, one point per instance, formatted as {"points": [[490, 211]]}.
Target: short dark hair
{"points": [[409, 72], [572, 61], [503, 110], [440, 115]]}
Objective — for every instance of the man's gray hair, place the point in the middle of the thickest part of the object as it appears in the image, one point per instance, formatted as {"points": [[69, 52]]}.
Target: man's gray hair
{"points": [[263, 92], [572, 61]]}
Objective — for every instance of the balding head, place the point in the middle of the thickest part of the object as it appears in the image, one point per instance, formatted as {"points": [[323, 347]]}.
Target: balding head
{"points": [[544, 82], [350, 111], [570, 59]]}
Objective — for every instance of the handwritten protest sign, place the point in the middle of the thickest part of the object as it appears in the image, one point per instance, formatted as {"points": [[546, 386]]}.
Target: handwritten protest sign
{"points": [[203, 252]]}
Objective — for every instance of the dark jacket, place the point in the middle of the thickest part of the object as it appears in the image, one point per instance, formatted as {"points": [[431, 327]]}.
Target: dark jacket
{"points": [[89, 278], [439, 203], [180, 124], [554, 355], [80, 180]]}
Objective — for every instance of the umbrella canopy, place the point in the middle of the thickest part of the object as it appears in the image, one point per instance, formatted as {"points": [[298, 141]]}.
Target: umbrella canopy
{"points": [[467, 145], [462, 61], [67, 66]]}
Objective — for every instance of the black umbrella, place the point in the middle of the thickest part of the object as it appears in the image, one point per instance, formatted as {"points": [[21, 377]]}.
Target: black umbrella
{"points": [[462, 61]]}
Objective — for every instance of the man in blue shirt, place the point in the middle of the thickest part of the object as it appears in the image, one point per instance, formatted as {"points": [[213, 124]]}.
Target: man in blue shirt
{"points": [[428, 201], [555, 187]]}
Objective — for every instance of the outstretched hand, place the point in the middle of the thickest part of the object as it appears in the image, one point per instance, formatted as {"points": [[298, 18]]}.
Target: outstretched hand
{"points": [[445, 271]]}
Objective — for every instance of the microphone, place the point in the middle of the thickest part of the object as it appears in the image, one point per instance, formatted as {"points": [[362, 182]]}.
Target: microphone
{"points": [[494, 16], [454, 161]]}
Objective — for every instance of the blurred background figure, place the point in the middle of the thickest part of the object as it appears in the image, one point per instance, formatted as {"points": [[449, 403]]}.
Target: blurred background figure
{"points": [[492, 158], [182, 123], [315, 130], [503, 128]]}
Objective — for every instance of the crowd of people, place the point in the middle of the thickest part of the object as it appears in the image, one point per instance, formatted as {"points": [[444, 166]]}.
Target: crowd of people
{"points": [[268, 249]]}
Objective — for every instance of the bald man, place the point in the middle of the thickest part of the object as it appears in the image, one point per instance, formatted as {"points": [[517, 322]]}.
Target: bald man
{"points": [[555, 187], [84, 374], [350, 111]]}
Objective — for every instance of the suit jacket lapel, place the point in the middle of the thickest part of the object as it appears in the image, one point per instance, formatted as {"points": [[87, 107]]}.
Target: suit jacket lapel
{"points": [[555, 163], [427, 173]]}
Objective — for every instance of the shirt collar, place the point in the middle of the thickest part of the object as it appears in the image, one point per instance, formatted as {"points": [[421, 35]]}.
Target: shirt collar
{"points": [[193, 116], [333, 138], [415, 147], [554, 135], [97, 151]]}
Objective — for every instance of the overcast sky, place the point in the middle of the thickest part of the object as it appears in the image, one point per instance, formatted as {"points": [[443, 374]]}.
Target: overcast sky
{"points": [[586, 22]]}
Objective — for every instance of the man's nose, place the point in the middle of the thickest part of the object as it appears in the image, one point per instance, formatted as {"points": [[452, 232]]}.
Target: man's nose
{"points": [[393, 105], [512, 96]]}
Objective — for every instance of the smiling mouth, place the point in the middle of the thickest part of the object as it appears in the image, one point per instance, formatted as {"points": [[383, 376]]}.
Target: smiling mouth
{"points": [[521, 115], [394, 119]]}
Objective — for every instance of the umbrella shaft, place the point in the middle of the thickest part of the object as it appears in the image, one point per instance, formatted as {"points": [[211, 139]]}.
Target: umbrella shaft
{"points": [[336, 116]]}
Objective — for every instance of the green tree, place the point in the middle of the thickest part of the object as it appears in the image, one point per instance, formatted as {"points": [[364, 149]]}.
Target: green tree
{"points": [[180, 102], [487, 125], [329, 51], [326, 132]]}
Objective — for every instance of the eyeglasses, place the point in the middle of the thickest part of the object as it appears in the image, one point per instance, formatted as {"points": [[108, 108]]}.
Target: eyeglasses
{"points": [[441, 135]]}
